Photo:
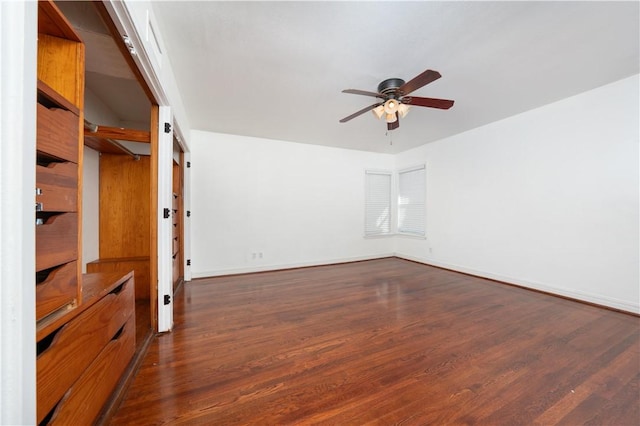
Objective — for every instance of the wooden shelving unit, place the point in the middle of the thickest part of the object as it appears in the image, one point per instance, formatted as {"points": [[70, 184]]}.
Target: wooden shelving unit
{"points": [[85, 328]]}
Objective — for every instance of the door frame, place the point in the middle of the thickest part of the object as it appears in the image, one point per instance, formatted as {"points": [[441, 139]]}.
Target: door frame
{"points": [[131, 25]]}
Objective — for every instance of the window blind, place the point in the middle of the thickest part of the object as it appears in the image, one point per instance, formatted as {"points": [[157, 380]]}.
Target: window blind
{"points": [[377, 203], [411, 201]]}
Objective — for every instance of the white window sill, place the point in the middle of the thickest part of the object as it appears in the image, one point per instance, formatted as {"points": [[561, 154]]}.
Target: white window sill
{"points": [[397, 234]]}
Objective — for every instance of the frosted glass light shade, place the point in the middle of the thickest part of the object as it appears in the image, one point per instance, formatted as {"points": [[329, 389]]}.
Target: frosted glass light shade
{"points": [[392, 118], [391, 106], [403, 110], [378, 111]]}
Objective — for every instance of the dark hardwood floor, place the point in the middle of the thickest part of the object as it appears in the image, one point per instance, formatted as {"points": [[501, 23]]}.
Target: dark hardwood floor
{"points": [[385, 342]]}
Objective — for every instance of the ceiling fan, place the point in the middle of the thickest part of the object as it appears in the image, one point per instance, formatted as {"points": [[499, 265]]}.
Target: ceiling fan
{"points": [[394, 100]]}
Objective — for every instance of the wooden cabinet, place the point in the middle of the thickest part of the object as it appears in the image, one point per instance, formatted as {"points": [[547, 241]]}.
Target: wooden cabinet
{"points": [[85, 328], [75, 351]]}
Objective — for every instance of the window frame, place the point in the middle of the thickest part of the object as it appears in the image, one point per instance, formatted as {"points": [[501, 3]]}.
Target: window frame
{"points": [[422, 210], [390, 204]]}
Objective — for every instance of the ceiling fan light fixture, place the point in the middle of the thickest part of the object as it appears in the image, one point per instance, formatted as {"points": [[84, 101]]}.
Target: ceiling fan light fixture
{"points": [[378, 111], [394, 101], [391, 106]]}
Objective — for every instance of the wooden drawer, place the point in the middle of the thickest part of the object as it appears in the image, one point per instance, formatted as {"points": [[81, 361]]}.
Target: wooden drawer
{"points": [[176, 245], [74, 346], [84, 401], [57, 133], [174, 204], [57, 290], [58, 185], [57, 241]]}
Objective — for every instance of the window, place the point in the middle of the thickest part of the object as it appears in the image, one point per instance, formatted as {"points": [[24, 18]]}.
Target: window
{"points": [[411, 201], [377, 203]]}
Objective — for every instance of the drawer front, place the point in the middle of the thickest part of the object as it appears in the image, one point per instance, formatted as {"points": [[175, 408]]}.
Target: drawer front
{"points": [[57, 241], [58, 185], [76, 345], [57, 133], [83, 403], [57, 290]]}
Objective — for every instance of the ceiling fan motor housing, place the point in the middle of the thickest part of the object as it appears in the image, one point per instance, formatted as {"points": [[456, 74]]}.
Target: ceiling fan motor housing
{"points": [[389, 86]]}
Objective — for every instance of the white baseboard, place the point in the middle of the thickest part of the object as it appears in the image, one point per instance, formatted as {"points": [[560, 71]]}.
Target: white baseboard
{"points": [[597, 299], [265, 268]]}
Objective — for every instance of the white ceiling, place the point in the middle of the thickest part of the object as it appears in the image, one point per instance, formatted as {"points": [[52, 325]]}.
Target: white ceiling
{"points": [[276, 69]]}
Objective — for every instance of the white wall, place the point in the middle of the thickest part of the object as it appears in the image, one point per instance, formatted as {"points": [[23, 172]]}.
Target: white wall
{"points": [[547, 199], [296, 204], [90, 207], [18, 24]]}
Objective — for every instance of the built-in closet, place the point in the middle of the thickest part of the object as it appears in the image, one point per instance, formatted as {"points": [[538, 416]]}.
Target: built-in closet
{"points": [[96, 193], [85, 323]]}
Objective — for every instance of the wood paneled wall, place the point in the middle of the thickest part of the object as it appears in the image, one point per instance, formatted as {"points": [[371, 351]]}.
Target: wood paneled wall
{"points": [[124, 206]]}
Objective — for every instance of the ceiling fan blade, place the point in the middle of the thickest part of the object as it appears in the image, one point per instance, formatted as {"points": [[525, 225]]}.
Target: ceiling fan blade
{"points": [[362, 111], [395, 124], [428, 102], [362, 92], [420, 80]]}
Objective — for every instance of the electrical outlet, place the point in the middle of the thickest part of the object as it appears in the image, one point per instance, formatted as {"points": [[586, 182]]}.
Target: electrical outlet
{"points": [[255, 255]]}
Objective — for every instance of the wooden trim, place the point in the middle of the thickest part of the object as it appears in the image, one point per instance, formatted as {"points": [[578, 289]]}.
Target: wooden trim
{"points": [[79, 196], [51, 21], [119, 133], [153, 231]]}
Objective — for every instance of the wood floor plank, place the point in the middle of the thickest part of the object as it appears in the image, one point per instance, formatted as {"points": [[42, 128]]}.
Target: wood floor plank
{"points": [[384, 342]]}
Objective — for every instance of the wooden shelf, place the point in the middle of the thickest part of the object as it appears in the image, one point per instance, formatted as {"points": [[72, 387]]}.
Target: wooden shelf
{"points": [[45, 92]]}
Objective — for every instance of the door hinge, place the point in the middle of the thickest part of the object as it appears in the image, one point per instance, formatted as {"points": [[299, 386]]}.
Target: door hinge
{"points": [[188, 213], [188, 164], [129, 45], [167, 127], [167, 213], [167, 299], [188, 262]]}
